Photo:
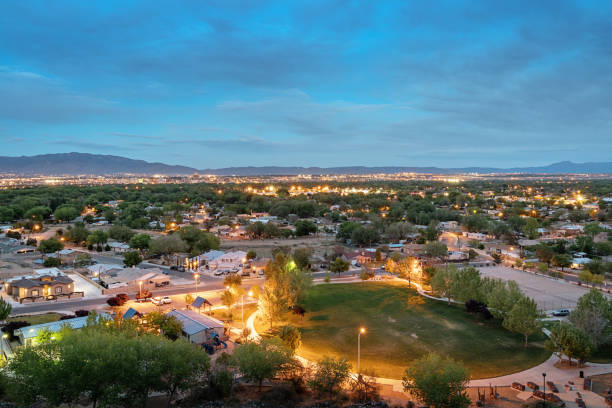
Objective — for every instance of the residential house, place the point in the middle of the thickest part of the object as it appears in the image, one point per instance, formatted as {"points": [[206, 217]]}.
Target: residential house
{"points": [[43, 286], [197, 328], [27, 335]]}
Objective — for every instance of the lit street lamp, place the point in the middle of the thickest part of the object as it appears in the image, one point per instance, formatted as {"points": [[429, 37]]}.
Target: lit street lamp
{"points": [[361, 331], [196, 276], [140, 290]]}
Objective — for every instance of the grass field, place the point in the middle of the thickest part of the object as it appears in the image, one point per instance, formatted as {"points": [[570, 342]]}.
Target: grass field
{"points": [[402, 326], [37, 319]]}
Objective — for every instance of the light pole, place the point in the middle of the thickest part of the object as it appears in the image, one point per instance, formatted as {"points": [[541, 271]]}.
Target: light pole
{"points": [[361, 331], [196, 276], [544, 383], [250, 294], [140, 289]]}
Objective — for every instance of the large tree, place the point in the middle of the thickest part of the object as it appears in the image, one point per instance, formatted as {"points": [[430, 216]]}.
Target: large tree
{"points": [[329, 375], [262, 360], [438, 382], [593, 315], [523, 318], [570, 341]]}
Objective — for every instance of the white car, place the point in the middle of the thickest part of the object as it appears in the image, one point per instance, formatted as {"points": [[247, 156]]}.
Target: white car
{"points": [[159, 301]]}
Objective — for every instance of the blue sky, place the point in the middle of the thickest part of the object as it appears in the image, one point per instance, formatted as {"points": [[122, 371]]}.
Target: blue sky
{"points": [[324, 83]]}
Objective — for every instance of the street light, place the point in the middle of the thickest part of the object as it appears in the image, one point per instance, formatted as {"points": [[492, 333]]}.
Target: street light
{"points": [[196, 276], [544, 383], [140, 290], [361, 331]]}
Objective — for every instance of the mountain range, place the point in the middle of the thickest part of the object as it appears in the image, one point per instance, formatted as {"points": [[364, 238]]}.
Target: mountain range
{"points": [[97, 164]]}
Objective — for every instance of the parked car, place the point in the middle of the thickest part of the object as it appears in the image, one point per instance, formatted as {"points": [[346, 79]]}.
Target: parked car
{"points": [[166, 300], [157, 301], [561, 312], [218, 272]]}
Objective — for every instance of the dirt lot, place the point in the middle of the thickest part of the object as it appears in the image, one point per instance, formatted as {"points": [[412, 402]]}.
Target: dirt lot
{"points": [[549, 293], [264, 247]]}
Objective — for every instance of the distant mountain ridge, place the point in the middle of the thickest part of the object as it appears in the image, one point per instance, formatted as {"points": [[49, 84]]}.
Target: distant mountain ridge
{"points": [[97, 164]]}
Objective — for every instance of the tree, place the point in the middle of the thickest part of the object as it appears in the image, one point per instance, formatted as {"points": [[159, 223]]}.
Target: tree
{"points": [[466, 284], [121, 233], [339, 265], [263, 360], [198, 241], [544, 253], [330, 374], [523, 318], [435, 250], [585, 276], [301, 256], [76, 233], [561, 260], [170, 326], [228, 299], [291, 336], [305, 227], [168, 245], [5, 309], [82, 259], [51, 262], [142, 242], [233, 281], [501, 296], [37, 213], [442, 282], [565, 339], [97, 237], [530, 229], [251, 254], [65, 213], [131, 258], [438, 382], [592, 314], [273, 301], [48, 246]]}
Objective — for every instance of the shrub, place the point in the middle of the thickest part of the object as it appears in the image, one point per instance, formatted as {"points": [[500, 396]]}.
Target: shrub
{"points": [[52, 262], [10, 327]]}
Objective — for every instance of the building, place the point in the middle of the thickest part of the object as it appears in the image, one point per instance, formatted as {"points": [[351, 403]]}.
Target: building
{"points": [[47, 284], [27, 335], [135, 278], [229, 260], [197, 328]]}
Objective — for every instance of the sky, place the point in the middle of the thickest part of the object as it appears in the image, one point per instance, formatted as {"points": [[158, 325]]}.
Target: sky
{"points": [[212, 84]]}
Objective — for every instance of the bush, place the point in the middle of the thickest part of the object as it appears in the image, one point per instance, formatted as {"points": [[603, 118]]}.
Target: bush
{"points": [[475, 307], [81, 313], [52, 262], [113, 302], [280, 395]]}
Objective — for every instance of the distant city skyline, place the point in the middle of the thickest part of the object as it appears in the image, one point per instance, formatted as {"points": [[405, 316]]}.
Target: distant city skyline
{"points": [[221, 83]]}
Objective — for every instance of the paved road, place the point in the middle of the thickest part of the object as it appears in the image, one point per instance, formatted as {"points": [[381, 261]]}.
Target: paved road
{"points": [[213, 284]]}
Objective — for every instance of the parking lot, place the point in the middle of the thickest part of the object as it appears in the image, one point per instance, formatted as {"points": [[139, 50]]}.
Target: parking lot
{"points": [[549, 293]]}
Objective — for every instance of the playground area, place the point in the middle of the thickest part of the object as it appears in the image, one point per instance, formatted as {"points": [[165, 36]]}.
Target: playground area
{"points": [[402, 326]]}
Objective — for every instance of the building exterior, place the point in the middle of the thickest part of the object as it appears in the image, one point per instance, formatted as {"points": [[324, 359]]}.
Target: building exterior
{"points": [[43, 286], [27, 335], [197, 328]]}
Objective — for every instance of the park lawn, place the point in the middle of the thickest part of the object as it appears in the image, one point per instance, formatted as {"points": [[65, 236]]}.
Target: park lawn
{"points": [[37, 319], [399, 330], [235, 320]]}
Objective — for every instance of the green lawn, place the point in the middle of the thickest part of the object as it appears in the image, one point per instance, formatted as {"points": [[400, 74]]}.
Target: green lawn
{"points": [[37, 319], [399, 329]]}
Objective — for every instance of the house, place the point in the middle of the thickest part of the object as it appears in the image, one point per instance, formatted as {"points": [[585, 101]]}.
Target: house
{"points": [[42, 286], [135, 279], [27, 335], [119, 247], [102, 269], [479, 236], [229, 260], [578, 263], [131, 313], [258, 265], [197, 328]]}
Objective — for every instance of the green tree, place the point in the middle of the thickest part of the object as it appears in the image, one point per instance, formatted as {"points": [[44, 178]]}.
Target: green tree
{"points": [[435, 250], [131, 258], [48, 246], [82, 259], [263, 360], [523, 318], [544, 253], [592, 314], [530, 229], [291, 336], [305, 227], [77, 233], [573, 342], [65, 213], [37, 213], [330, 375], [142, 242], [438, 382], [339, 265], [5, 309], [251, 254], [442, 282], [561, 260], [121, 233], [301, 256], [168, 245], [466, 285], [97, 237]]}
